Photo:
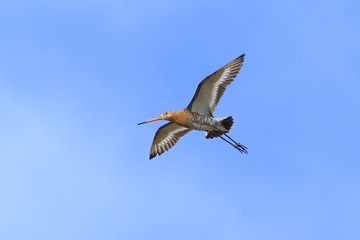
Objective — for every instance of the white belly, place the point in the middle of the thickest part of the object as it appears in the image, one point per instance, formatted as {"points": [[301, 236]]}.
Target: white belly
{"points": [[203, 127], [206, 123]]}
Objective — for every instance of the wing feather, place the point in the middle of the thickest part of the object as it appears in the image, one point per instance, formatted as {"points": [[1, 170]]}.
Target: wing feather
{"points": [[166, 137], [211, 89]]}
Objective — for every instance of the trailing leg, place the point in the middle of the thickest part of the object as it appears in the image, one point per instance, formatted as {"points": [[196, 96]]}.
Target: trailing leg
{"points": [[238, 146], [235, 144]]}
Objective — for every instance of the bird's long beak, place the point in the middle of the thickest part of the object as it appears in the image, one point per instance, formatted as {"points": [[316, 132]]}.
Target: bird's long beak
{"points": [[152, 120]]}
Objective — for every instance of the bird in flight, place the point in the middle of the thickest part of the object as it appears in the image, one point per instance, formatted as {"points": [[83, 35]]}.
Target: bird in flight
{"points": [[198, 115]]}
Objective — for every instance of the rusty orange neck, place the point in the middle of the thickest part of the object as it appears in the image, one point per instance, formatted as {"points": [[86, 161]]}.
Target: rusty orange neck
{"points": [[181, 117]]}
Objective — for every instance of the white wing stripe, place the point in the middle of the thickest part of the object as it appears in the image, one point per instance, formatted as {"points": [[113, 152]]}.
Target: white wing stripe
{"points": [[168, 140], [214, 92], [211, 89]]}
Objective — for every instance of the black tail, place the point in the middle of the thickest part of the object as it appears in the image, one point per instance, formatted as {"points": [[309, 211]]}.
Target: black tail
{"points": [[227, 124]]}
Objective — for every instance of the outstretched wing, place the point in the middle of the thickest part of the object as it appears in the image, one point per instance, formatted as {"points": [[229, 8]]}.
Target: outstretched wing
{"points": [[166, 137], [211, 89]]}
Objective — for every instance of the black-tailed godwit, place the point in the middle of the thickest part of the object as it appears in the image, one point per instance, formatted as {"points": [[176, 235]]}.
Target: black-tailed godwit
{"points": [[198, 115]]}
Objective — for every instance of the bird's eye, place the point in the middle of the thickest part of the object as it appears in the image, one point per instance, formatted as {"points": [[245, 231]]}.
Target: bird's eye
{"points": [[165, 113]]}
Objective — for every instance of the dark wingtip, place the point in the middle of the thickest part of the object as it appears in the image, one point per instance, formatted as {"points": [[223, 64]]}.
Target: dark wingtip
{"points": [[242, 57]]}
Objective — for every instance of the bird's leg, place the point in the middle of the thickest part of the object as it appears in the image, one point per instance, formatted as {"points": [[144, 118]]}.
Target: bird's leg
{"points": [[241, 148], [236, 145]]}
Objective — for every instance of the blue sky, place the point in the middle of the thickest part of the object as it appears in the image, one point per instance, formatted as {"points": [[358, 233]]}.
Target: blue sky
{"points": [[77, 76]]}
